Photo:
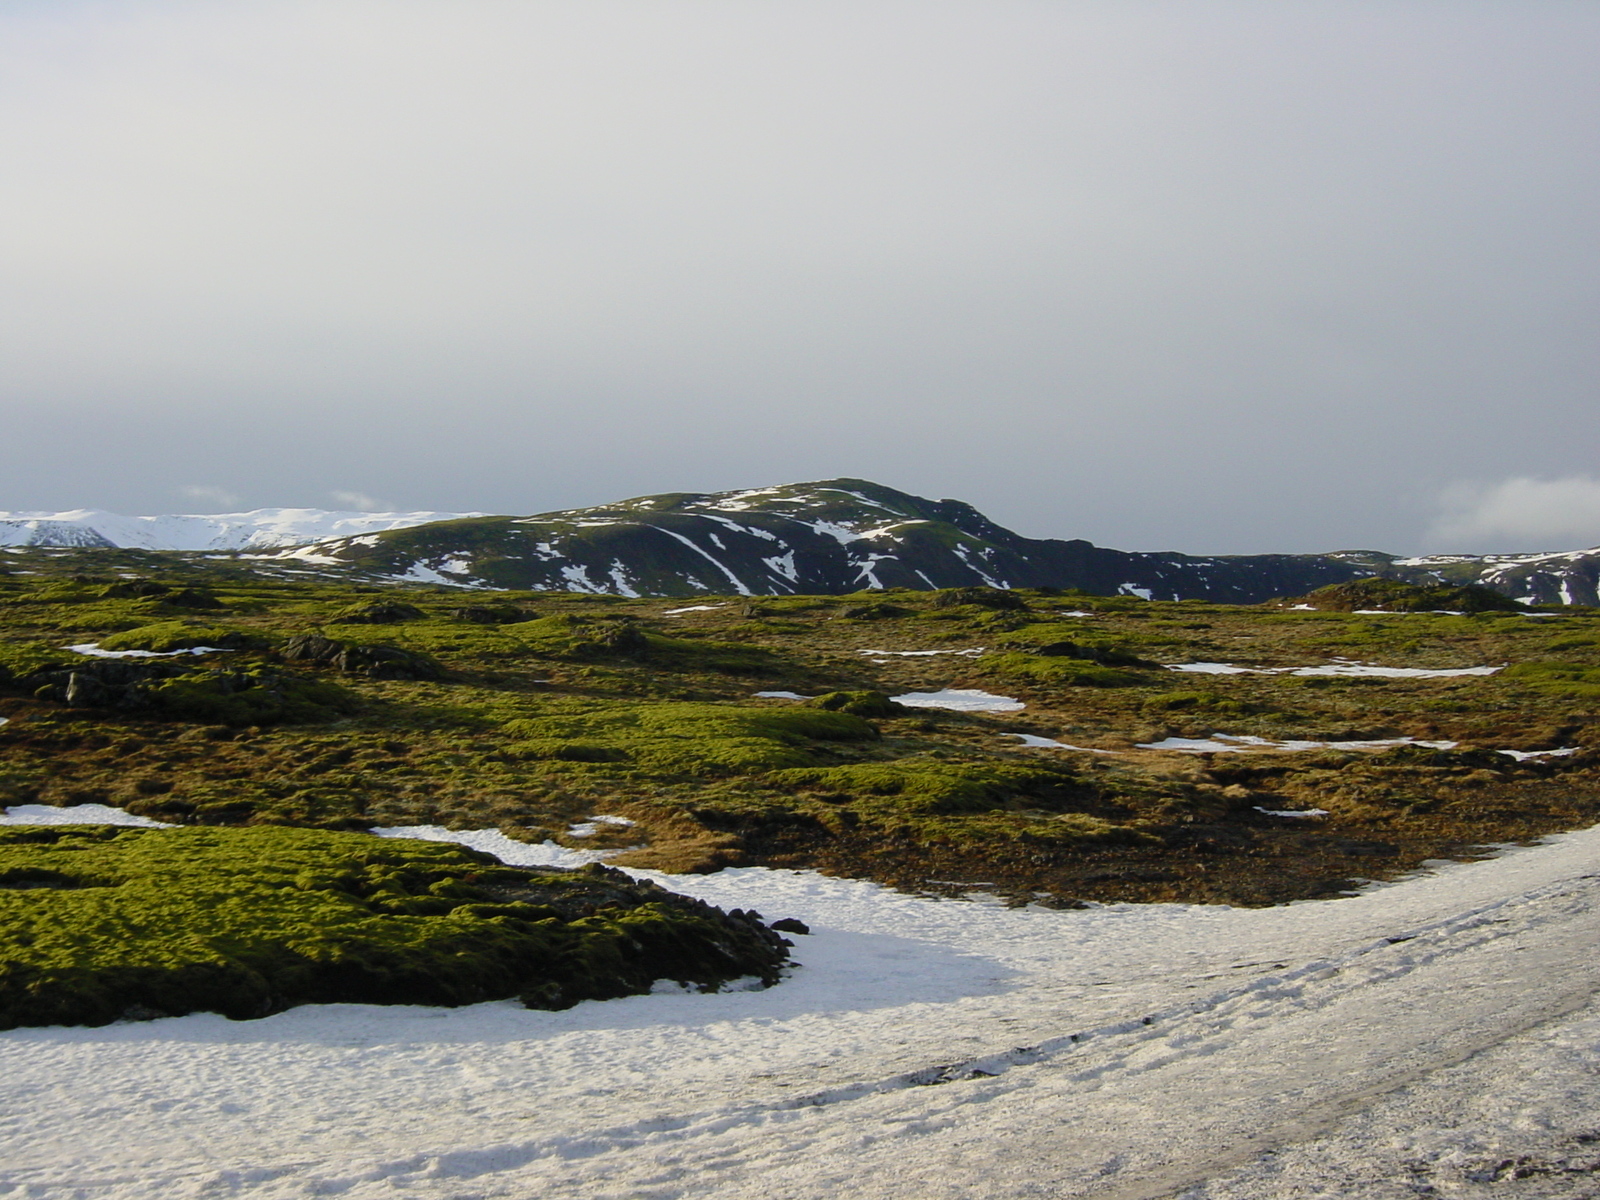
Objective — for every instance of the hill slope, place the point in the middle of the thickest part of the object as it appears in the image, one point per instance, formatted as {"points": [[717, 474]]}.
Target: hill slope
{"points": [[1569, 577], [828, 537], [833, 536]]}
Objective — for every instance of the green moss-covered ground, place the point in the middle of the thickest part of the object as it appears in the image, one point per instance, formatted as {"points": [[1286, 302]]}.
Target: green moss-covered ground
{"points": [[99, 923], [340, 706]]}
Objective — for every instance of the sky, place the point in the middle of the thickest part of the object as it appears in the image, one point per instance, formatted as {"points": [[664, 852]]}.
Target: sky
{"points": [[1202, 275]]}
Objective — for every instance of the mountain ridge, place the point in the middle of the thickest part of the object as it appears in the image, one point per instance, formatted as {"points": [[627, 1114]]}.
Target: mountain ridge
{"points": [[847, 534], [827, 537]]}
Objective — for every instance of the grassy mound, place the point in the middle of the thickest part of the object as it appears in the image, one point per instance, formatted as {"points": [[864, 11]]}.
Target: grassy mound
{"points": [[912, 788], [166, 636], [1575, 681], [99, 923], [1067, 671], [1390, 595], [591, 638], [685, 738]]}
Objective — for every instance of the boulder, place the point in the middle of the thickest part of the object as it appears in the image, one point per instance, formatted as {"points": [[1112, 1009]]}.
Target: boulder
{"points": [[375, 662], [1000, 599]]}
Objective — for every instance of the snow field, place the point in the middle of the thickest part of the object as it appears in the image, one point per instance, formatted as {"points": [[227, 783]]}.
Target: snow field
{"points": [[925, 1049]]}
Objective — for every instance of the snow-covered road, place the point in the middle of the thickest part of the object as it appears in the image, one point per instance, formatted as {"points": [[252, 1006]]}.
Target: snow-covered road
{"points": [[1414, 1036]]}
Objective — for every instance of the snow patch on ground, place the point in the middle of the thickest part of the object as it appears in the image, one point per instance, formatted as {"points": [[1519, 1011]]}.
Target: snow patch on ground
{"points": [[75, 814], [972, 653], [1240, 743], [960, 700], [92, 650], [507, 850], [1031, 739], [595, 824], [1337, 668]]}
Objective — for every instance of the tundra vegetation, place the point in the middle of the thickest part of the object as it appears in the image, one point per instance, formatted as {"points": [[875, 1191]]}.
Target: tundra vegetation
{"points": [[332, 706], [99, 923]]}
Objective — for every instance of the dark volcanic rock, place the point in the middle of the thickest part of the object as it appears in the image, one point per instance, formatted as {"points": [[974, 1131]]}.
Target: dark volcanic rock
{"points": [[490, 614], [104, 683], [376, 662], [1000, 599], [859, 704]]}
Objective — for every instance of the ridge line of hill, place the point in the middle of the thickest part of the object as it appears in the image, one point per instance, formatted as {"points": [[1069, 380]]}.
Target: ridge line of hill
{"points": [[825, 537]]}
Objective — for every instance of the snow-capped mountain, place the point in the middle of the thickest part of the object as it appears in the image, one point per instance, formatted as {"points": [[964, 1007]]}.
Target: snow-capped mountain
{"points": [[833, 536], [259, 529]]}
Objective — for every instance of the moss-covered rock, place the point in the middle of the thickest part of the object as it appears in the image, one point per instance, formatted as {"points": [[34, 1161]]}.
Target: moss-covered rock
{"points": [[860, 704], [167, 595], [490, 614], [97, 923], [378, 612], [603, 638], [1000, 599], [252, 695], [375, 662]]}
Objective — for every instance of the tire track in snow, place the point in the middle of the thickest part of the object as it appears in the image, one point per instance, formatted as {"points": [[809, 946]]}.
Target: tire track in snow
{"points": [[1226, 1066], [1135, 1054]]}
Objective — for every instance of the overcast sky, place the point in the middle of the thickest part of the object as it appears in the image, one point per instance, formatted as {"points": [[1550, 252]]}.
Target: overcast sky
{"points": [[1208, 276]]}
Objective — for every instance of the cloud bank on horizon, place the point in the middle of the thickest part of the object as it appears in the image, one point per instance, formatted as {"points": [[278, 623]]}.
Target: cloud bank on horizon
{"points": [[1233, 276], [1522, 512]]}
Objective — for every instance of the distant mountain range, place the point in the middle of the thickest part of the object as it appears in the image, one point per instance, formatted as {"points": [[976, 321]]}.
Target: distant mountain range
{"points": [[834, 536], [261, 528]]}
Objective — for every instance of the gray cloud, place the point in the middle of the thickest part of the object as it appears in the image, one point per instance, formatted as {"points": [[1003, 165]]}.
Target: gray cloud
{"points": [[1212, 276], [199, 493], [359, 501], [1521, 513]]}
